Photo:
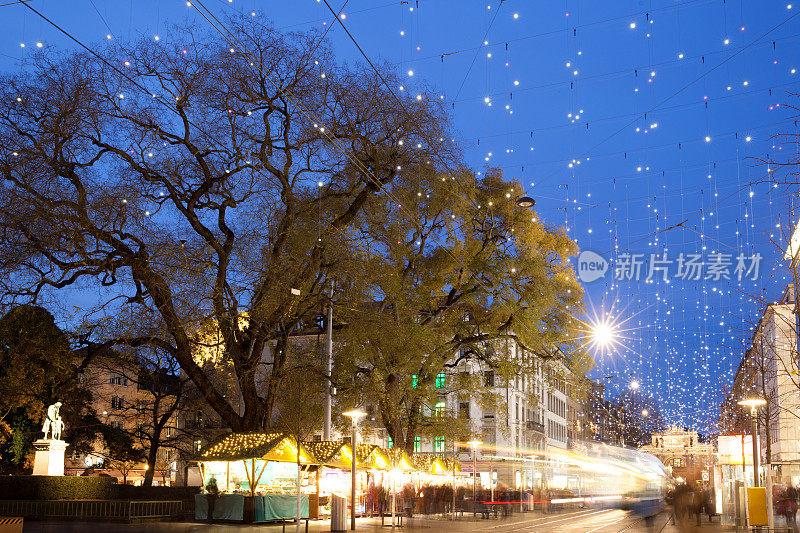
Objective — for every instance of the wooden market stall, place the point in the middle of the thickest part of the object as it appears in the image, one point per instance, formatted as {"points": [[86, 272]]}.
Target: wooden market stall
{"points": [[256, 474], [333, 461]]}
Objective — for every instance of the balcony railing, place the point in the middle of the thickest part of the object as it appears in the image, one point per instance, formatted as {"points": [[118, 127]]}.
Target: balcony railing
{"points": [[534, 426]]}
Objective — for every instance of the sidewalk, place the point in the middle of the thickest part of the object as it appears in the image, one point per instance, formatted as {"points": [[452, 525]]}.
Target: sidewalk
{"points": [[583, 521]]}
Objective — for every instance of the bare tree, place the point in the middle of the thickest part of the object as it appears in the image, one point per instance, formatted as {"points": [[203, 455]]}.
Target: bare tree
{"points": [[193, 184]]}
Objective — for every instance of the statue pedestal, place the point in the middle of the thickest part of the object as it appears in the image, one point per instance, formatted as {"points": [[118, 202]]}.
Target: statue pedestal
{"points": [[49, 460]]}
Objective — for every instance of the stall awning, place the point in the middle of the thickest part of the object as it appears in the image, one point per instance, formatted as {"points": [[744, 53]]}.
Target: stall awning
{"points": [[450, 464], [330, 453], [399, 459], [422, 462], [434, 464], [371, 456], [276, 446]]}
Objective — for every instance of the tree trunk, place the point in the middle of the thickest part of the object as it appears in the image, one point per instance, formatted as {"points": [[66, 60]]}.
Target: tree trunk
{"points": [[152, 453], [413, 425]]}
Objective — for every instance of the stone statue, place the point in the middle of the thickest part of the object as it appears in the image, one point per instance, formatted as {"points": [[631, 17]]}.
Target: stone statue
{"points": [[58, 428], [52, 422]]}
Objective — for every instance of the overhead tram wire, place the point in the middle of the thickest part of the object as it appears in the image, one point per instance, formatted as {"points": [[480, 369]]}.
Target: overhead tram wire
{"points": [[676, 93], [230, 37], [477, 51], [383, 80], [116, 69]]}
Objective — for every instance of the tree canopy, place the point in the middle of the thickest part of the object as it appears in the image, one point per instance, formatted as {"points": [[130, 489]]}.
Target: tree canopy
{"points": [[451, 270], [188, 182], [37, 368]]}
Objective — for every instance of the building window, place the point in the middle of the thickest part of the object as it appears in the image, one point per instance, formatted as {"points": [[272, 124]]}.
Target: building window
{"points": [[440, 380], [463, 410], [417, 444], [389, 443], [117, 402], [118, 379], [438, 445], [488, 378], [414, 380], [439, 408]]}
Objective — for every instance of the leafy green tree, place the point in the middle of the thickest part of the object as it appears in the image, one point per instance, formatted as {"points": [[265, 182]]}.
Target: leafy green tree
{"points": [[37, 368], [121, 451], [450, 271]]}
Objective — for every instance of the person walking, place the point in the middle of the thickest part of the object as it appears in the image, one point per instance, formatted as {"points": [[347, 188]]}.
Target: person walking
{"points": [[787, 506], [212, 494]]}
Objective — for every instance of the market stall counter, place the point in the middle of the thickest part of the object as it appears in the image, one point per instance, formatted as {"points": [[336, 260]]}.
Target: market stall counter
{"points": [[227, 507], [251, 509], [271, 507]]}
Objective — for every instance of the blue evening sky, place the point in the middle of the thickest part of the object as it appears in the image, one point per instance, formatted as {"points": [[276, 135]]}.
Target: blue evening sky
{"points": [[569, 83]]}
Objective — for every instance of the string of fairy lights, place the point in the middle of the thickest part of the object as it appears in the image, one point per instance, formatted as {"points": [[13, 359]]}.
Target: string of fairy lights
{"points": [[561, 97]]}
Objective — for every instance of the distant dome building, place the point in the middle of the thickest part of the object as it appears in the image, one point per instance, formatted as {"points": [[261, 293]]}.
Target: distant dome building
{"points": [[683, 454]]}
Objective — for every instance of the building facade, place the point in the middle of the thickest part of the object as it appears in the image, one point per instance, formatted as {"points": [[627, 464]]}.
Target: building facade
{"points": [[124, 397], [683, 454], [769, 370], [535, 413]]}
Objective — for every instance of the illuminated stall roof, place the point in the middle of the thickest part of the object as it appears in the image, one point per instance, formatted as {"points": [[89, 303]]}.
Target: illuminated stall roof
{"points": [[423, 462], [372, 456], [449, 464], [331, 453], [399, 459], [276, 446], [434, 464]]}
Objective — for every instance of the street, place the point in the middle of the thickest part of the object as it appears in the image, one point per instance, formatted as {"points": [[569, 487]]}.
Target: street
{"points": [[583, 521]]}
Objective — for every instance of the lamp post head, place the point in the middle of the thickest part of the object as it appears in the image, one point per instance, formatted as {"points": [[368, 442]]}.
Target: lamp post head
{"points": [[754, 402], [355, 415], [525, 202]]}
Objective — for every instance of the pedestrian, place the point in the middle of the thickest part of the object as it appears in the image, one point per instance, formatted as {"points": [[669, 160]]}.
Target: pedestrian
{"points": [[788, 506], [681, 505], [212, 494], [700, 502]]}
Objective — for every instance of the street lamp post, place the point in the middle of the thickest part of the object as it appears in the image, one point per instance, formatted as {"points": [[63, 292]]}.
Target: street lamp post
{"points": [[754, 403], [474, 444], [453, 516], [353, 415]]}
